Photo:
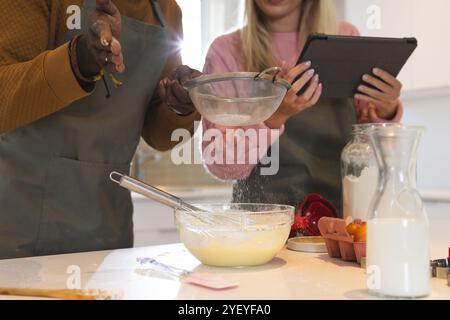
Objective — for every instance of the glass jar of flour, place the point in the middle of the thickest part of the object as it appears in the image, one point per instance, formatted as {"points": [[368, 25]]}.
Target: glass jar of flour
{"points": [[359, 171]]}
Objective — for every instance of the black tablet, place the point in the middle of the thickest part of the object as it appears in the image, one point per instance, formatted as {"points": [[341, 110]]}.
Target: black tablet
{"points": [[341, 61]]}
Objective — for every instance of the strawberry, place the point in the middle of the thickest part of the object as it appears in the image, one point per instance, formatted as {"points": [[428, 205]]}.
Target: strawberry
{"points": [[309, 212]]}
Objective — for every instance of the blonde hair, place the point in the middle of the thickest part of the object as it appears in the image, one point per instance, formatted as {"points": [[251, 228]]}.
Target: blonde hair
{"points": [[316, 16]]}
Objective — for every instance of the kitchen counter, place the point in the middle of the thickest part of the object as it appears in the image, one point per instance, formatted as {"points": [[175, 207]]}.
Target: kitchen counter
{"points": [[291, 275]]}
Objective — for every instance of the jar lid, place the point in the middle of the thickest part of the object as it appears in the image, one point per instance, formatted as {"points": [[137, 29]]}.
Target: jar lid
{"points": [[308, 244]]}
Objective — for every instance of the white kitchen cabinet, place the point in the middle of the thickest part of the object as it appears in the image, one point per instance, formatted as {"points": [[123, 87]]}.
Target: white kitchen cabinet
{"points": [[431, 108], [203, 21], [220, 16], [153, 223], [428, 21]]}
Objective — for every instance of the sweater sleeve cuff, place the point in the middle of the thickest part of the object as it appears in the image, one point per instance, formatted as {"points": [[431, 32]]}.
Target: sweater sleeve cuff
{"points": [[60, 78]]}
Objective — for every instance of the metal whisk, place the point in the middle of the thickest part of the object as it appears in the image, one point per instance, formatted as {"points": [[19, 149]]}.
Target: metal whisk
{"points": [[167, 199]]}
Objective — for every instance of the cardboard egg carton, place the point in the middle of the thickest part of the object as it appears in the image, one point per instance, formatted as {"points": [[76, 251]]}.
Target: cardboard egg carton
{"points": [[339, 242]]}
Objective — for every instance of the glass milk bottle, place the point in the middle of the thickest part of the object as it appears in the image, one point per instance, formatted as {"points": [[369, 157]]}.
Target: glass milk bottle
{"points": [[397, 229], [359, 173]]}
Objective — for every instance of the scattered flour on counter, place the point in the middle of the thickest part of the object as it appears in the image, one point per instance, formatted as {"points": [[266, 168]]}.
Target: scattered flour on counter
{"points": [[358, 193]]}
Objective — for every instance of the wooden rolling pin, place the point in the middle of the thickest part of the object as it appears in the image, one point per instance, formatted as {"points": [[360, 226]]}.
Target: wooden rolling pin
{"points": [[63, 294]]}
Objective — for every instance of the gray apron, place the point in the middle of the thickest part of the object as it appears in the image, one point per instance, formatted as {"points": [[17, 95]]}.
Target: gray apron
{"points": [[310, 150], [55, 194]]}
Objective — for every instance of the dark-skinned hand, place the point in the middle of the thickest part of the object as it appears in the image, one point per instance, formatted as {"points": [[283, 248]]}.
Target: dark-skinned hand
{"points": [[100, 47], [172, 92]]}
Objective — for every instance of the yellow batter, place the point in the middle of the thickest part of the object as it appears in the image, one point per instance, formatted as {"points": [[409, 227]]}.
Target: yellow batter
{"points": [[225, 248]]}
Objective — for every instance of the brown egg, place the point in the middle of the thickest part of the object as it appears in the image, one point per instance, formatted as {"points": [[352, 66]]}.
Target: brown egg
{"points": [[360, 235], [353, 228]]}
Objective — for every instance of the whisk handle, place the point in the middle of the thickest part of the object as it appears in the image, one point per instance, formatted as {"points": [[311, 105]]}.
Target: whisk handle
{"points": [[146, 190]]}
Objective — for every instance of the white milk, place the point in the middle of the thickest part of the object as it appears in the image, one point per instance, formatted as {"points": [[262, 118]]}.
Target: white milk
{"points": [[398, 248], [358, 193]]}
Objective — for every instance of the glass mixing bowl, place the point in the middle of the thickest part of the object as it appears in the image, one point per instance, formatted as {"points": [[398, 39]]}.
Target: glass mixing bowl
{"points": [[238, 98], [240, 235]]}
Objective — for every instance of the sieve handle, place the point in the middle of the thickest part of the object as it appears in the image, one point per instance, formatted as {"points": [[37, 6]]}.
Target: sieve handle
{"points": [[274, 70]]}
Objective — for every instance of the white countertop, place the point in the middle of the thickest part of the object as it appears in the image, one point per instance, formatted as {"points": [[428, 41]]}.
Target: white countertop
{"points": [[291, 275]]}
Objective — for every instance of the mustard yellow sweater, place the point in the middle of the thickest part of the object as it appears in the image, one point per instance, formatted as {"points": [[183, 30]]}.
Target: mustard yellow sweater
{"points": [[36, 78]]}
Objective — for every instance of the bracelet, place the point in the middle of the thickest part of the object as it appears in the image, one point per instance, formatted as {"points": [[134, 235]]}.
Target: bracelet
{"points": [[74, 63]]}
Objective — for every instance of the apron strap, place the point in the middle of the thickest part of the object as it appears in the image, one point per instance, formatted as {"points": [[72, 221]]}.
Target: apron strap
{"points": [[158, 13]]}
